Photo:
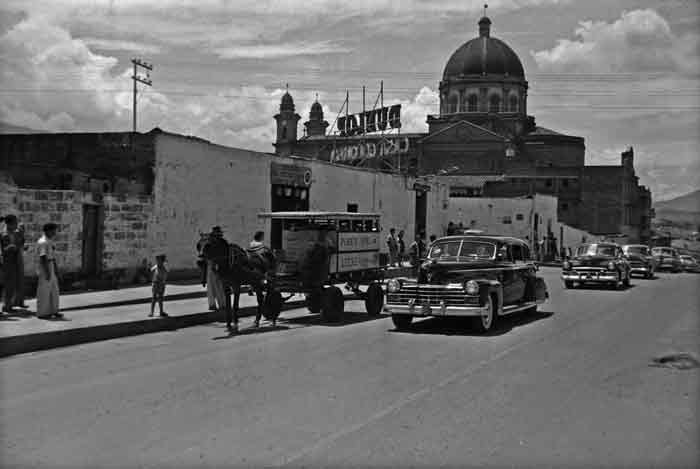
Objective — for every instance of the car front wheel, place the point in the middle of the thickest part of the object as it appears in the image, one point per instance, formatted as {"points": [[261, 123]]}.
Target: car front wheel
{"points": [[486, 322], [568, 284]]}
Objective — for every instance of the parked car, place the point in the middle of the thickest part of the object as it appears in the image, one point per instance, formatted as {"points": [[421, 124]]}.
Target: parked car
{"points": [[640, 259], [690, 264], [667, 259], [601, 263], [478, 276]]}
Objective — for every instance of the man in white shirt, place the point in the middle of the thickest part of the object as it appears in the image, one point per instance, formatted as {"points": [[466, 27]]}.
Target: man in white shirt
{"points": [[47, 288]]}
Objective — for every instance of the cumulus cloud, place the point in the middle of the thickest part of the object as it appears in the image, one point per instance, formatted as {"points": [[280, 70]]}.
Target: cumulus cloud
{"points": [[116, 45], [639, 41], [273, 51]]}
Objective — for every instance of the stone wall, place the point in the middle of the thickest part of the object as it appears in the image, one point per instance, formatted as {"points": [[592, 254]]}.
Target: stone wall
{"points": [[125, 232], [123, 226]]}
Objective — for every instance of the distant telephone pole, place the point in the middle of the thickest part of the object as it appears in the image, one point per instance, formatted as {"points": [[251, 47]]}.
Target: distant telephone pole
{"points": [[140, 79]]}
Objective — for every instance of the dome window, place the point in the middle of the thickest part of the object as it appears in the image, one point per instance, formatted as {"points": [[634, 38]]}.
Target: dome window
{"points": [[513, 103], [495, 103], [472, 103]]}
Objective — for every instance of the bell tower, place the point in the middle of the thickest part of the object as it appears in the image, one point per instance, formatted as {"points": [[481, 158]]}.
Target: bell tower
{"points": [[287, 121], [316, 126]]}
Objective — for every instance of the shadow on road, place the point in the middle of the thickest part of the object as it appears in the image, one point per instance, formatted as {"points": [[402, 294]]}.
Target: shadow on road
{"points": [[463, 326], [251, 331], [317, 320]]}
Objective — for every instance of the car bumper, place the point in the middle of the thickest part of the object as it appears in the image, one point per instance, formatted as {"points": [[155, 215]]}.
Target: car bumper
{"points": [[589, 277], [435, 310], [641, 270]]}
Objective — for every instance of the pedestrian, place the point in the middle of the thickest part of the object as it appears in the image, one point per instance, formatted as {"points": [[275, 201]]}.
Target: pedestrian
{"points": [[460, 229], [402, 247], [202, 264], [12, 246], [47, 294], [393, 246], [417, 249], [159, 275], [215, 252], [432, 240], [450, 228], [262, 257]]}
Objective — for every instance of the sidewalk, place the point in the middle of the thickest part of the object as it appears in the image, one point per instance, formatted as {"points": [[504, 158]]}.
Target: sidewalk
{"points": [[110, 314]]}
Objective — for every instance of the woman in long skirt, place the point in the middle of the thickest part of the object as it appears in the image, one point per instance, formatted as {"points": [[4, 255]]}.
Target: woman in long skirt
{"points": [[47, 288]]}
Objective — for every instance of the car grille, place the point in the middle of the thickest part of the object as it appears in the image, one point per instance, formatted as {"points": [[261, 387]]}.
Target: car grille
{"points": [[589, 269], [637, 264], [432, 295]]}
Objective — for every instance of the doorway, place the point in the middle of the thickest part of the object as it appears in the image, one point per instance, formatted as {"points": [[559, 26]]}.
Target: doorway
{"points": [[286, 198], [91, 240], [421, 211]]}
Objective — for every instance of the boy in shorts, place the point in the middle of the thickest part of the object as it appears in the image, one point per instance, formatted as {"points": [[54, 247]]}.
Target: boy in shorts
{"points": [[159, 275]]}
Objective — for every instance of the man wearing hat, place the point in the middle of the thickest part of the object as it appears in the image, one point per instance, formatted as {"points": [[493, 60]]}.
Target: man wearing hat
{"points": [[12, 245], [215, 252]]}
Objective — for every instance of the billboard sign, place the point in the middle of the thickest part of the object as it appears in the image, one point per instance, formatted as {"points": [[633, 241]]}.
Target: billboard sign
{"points": [[354, 151], [371, 121]]}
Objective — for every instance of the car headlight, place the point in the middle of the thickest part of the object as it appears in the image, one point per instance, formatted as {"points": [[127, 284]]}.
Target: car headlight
{"points": [[393, 285], [566, 265], [472, 287], [611, 265]]}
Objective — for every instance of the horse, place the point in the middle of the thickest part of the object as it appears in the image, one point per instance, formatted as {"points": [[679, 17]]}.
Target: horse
{"points": [[247, 267]]}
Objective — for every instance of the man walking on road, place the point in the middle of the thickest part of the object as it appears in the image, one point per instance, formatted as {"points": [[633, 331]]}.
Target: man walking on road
{"points": [[402, 247], [215, 252], [47, 271], [12, 244]]}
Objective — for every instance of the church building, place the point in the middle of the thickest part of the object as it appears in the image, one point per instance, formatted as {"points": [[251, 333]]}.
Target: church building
{"points": [[484, 143]]}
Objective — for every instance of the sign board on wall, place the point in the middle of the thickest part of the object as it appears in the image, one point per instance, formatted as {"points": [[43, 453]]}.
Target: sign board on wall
{"points": [[388, 146], [290, 175], [370, 121]]}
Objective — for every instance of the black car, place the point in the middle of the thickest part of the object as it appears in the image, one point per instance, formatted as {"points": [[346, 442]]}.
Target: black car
{"points": [[599, 263], [640, 259], [482, 277], [690, 264]]}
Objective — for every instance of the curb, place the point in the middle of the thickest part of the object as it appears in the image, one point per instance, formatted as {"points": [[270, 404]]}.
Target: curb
{"points": [[39, 341], [138, 301]]}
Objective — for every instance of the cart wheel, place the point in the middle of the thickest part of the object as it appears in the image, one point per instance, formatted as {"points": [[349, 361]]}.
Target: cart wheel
{"points": [[314, 301], [374, 299], [273, 305], [333, 304]]}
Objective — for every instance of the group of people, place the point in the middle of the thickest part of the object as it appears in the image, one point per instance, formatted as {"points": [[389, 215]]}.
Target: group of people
{"points": [[397, 248], [12, 248]]}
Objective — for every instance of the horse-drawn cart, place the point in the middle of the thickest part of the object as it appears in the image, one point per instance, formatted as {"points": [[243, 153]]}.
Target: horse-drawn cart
{"points": [[316, 251]]}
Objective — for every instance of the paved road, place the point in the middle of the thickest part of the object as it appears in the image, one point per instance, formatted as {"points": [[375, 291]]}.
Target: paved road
{"points": [[571, 386]]}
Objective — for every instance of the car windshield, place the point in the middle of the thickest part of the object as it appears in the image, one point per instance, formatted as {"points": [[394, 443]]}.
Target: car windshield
{"points": [[641, 250], [596, 250], [462, 248]]}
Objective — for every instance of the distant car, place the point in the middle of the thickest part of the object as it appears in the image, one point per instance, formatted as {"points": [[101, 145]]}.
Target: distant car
{"points": [[690, 264], [640, 259], [481, 277], [598, 263], [667, 259]]}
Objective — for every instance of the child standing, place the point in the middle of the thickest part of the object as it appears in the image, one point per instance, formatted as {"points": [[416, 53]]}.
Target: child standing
{"points": [[159, 275]]}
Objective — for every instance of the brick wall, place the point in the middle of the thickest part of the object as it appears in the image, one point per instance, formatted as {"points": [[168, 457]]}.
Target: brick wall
{"points": [[125, 232]]}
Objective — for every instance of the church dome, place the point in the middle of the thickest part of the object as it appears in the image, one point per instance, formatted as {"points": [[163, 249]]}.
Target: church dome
{"points": [[484, 55], [287, 103], [316, 108]]}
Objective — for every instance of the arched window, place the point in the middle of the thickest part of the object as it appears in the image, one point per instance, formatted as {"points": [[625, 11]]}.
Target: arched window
{"points": [[284, 132], [452, 104], [513, 103], [472, 103], [495, 103]]}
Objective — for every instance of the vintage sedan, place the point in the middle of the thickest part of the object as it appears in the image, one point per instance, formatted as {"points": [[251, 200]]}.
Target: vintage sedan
{"points": [[600, 263], [478, 276], [690, 264], [667, 259], [640, 259]]}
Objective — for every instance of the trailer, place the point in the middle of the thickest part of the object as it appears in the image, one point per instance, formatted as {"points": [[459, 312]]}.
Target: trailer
{"points": [[316, 251]]}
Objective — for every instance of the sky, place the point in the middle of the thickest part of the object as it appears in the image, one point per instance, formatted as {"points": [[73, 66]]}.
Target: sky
{"points": [[619, 73]]}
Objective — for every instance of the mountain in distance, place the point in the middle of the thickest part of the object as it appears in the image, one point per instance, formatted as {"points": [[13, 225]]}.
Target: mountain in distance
{"points": [[682, 210], [6, 128]]}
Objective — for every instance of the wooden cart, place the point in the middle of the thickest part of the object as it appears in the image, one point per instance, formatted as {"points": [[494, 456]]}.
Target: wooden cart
{"points": [[316, 251]]}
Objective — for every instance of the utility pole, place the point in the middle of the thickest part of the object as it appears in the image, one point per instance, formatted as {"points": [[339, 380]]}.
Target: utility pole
{"points": [[140, 79]]}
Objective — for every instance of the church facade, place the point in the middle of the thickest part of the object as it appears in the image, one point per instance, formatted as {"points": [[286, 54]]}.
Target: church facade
{"points": [[484, 143]]}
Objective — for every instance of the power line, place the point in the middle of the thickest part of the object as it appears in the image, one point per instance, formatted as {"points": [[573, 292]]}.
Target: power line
{"points": [[140, 79]]}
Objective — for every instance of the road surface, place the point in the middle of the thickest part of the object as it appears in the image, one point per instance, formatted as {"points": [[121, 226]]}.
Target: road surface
{"points": [[570, 386]]}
